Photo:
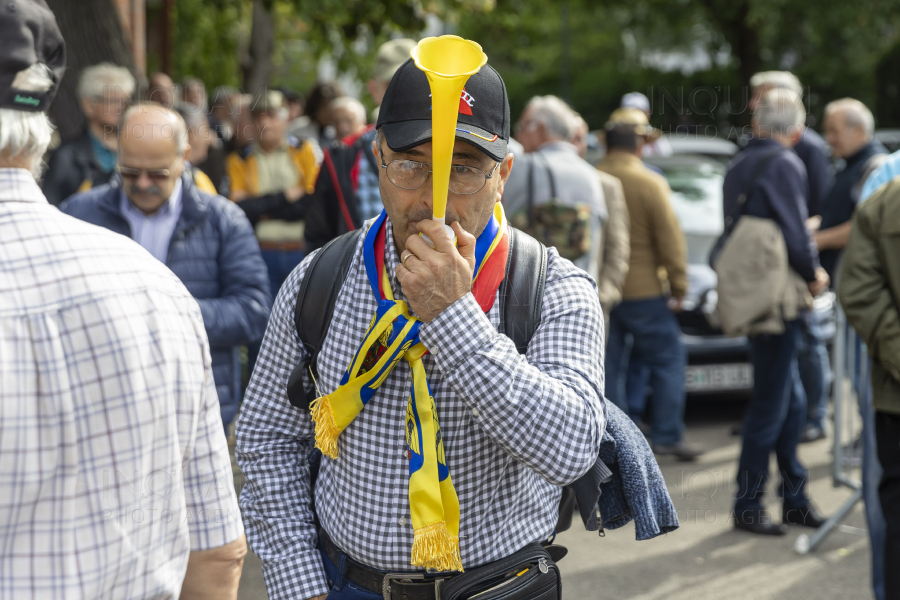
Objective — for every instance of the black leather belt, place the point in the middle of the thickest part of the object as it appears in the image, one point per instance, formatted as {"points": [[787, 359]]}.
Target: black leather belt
{"points": [[392, 586]]}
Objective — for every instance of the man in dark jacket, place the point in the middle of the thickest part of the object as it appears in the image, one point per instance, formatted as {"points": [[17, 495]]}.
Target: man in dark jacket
{"points": [[204, 239], [849, 128], [776, 190], [104, 91]]}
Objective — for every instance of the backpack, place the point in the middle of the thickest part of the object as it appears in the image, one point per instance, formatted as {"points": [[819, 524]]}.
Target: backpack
{"points": [[521, 293], [563, 225], [757, 289]]}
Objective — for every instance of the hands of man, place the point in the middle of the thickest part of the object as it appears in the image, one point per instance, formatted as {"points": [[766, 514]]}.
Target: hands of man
{"points": [[293, 194], [675, 304], [434, 278], [822, 280]]}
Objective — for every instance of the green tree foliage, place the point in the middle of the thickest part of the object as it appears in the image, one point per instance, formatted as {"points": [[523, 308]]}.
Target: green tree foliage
{"points": [[207, 37], [832, 45]]}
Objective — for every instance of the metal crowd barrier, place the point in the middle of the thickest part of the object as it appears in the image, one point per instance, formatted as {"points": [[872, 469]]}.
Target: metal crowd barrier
{"points": [[850, 365]]}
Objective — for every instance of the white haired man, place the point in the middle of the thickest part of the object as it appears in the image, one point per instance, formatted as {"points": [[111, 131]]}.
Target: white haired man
{"points": [[772, 180], [811, 148], [104, 91], [552, 170], [348, 117], [849, 129], [112, 440]]}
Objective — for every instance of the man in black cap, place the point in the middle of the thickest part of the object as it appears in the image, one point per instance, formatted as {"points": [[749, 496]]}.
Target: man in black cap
{"points": [[508, 427], [112, 441]]}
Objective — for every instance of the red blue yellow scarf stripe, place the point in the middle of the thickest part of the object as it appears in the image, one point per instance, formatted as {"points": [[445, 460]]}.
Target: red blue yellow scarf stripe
{"points": [[394, 334]]}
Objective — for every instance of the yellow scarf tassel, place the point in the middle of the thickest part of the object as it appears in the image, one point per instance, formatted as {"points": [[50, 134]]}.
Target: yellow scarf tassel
{"points": [[435, 548], [326, 430]]}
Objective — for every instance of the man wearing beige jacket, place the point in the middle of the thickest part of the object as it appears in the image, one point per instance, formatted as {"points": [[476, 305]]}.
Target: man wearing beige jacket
{"points": [[645, 312]]}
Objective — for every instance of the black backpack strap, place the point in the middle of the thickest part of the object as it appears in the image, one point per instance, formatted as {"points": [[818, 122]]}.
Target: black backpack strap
{"points": [[522, 290], [315, 306]]}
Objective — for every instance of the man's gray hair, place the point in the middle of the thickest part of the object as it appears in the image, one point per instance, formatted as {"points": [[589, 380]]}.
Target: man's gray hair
{"points": [[780, 112], [27, 134], [351, 104], [777, 79], [555, 114], [98, 79], [179, 129], [856, 114]]}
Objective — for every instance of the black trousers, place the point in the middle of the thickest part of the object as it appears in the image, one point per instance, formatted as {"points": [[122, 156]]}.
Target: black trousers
{"points": [[887, 433]]}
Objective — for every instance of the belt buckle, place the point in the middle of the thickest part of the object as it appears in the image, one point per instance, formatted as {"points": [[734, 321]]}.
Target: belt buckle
{"points": [[388, 577]]}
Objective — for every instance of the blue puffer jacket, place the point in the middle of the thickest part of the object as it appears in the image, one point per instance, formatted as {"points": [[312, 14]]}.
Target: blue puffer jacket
{"points": [[215, 254]]}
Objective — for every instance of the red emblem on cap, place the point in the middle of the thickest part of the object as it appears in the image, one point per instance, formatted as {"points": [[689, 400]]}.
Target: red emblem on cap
{"points": [[466, 102]]}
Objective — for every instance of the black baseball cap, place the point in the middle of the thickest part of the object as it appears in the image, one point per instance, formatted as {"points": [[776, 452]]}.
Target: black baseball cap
{"points": [[29, 36], [405, 113]]}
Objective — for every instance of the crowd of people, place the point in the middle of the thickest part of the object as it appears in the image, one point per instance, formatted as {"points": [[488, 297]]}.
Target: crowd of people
{"points": [[237, 200]]}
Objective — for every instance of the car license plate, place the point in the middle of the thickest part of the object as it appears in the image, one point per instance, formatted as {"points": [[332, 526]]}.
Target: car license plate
{"points": [[712, 378]]}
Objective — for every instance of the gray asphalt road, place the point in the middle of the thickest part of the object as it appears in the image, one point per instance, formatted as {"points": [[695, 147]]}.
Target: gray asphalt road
{"points": [[706, 559]]}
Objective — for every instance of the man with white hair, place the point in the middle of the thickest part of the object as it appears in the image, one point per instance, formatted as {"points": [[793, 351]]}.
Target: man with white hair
{"points": [[849, 129], [811, 148], [551, 171], [348, 117], [104, 91], [112, 440], [203, 238], [766, 180]]}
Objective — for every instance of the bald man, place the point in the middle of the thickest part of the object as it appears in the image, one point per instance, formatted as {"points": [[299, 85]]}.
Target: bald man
{"points": [[203, 238]]}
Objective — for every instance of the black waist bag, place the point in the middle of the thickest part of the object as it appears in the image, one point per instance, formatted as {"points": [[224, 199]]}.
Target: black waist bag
{"points": [[529, 574]]}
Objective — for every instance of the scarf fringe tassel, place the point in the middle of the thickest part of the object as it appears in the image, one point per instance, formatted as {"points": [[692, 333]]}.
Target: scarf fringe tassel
{"points": [[326, 431], [434, 548]]}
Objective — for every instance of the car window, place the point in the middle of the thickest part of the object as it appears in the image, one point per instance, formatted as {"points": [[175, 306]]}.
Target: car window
{"points": [[697, 200]]}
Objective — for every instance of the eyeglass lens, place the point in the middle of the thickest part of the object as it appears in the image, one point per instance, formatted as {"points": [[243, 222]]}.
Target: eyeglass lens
{"points": [[411, 175]]}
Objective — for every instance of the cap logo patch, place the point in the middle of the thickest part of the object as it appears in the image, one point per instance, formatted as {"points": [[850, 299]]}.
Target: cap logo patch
{"points": [[466, 102], [26, 100]]}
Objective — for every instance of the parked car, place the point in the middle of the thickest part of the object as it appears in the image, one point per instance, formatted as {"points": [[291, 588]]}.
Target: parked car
{"points": [[716, 363]]}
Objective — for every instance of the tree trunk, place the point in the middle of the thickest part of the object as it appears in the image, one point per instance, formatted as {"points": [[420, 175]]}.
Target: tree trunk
{"points": [[257, 64], [93, 34]]}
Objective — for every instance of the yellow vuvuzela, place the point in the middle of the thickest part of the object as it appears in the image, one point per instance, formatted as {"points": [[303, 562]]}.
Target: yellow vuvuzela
{"points": [[448, 62]]}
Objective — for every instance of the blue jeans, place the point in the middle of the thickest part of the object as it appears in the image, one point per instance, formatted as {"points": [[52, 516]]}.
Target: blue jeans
{"points": [[343, 589], [280, 264], [774, 419], [815, 369], [657, 343]]}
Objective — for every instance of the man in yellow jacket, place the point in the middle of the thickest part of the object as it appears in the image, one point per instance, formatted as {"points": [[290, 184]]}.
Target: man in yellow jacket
{"points": [[269, 180], [657, 244]]}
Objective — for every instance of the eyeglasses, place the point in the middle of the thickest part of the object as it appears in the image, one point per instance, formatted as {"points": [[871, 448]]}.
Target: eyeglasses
{"points": [[156, 175], [412, 174]]}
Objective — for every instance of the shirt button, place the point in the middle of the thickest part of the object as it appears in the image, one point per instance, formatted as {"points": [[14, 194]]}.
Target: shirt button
{"points": [[475, 412], [402, 521]]}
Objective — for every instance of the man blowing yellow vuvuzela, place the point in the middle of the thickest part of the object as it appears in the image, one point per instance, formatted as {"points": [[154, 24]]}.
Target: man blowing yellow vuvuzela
{"points": [[448, 390]]}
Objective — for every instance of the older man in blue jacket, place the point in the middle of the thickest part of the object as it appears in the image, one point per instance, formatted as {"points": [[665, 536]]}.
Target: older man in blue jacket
{"points": [[204, 239]]}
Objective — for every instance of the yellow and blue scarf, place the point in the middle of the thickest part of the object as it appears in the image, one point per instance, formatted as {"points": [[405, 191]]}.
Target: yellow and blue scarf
{"points": [[394, 334]]}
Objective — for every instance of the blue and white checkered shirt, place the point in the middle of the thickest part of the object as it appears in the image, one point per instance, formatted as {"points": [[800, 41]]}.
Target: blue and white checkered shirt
{"points": [[515, 428], [154, 232], [367, 191], [113, 460]]}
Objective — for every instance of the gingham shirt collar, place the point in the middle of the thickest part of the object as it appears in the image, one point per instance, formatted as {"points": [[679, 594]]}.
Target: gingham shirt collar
{"points": [[18, 185]]}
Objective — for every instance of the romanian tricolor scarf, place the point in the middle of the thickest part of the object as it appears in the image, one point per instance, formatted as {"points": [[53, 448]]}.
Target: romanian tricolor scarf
{"points": [[394, 334]]}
